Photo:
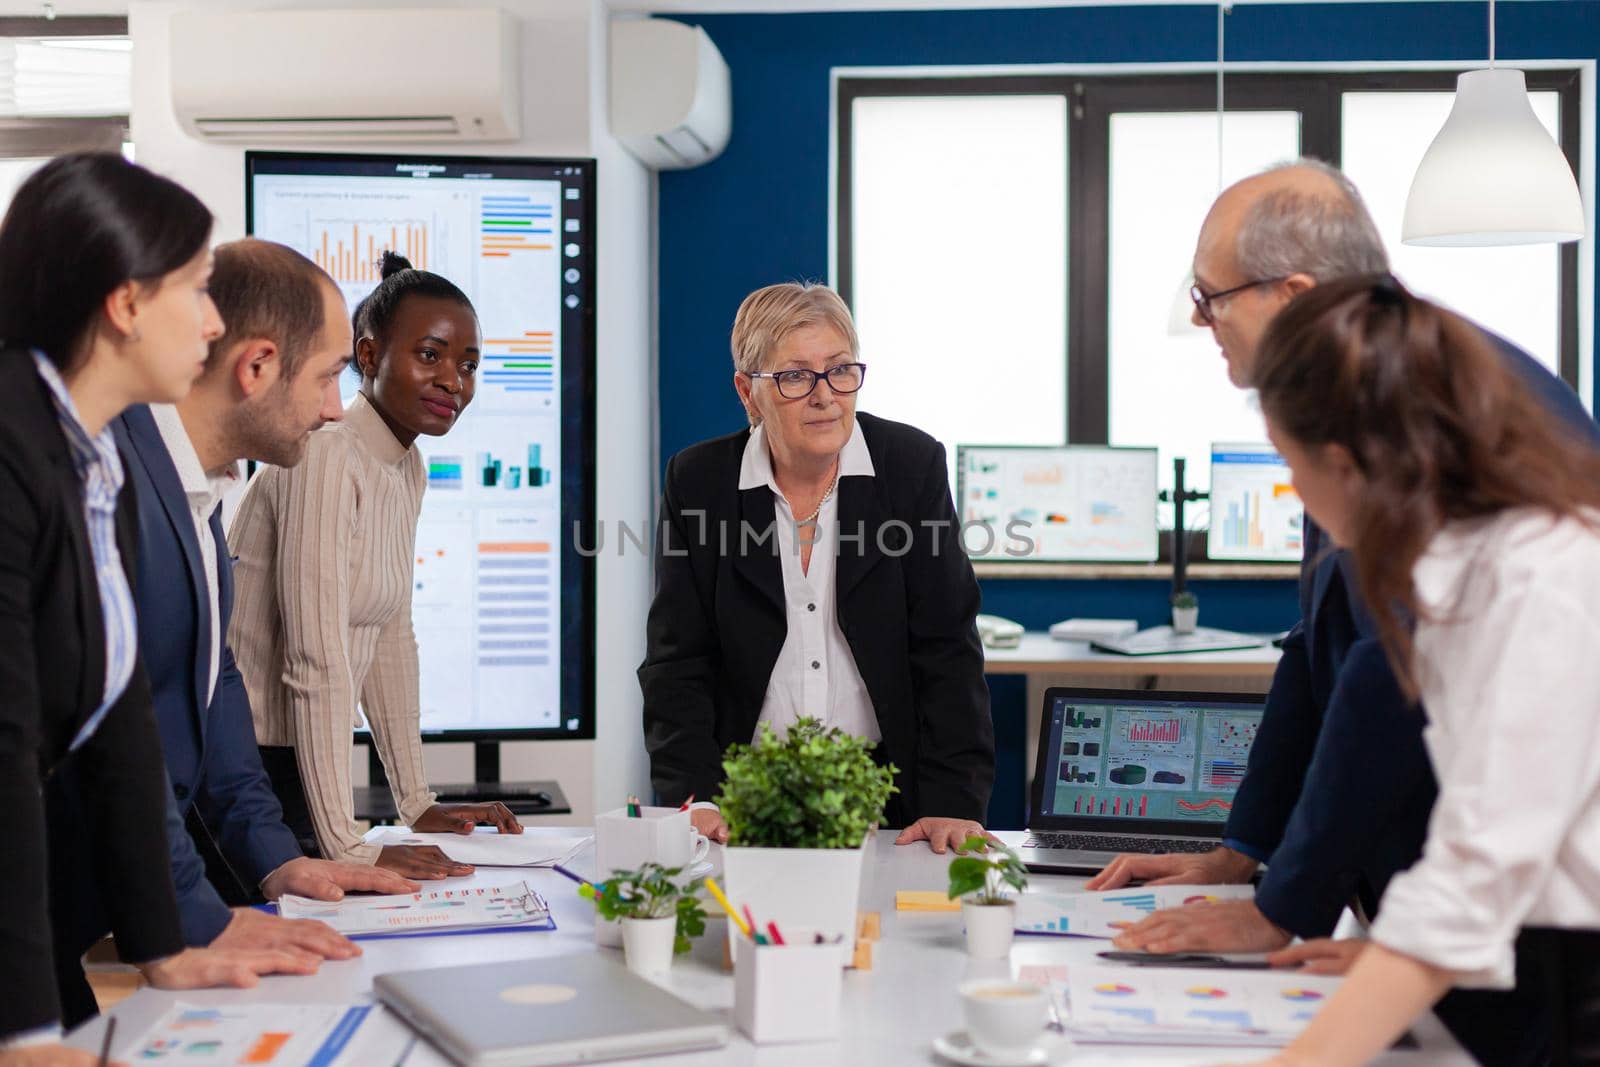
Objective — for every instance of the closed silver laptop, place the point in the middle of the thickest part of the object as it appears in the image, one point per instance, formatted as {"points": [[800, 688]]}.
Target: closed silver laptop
{"points": [[529, 1013], [1134, 771]]}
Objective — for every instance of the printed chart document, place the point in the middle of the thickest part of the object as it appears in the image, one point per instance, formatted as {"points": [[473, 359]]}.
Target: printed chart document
{"points": [[1122, 1003], [1106, 914], [272, 1035], [489, 848], [432, 911]]}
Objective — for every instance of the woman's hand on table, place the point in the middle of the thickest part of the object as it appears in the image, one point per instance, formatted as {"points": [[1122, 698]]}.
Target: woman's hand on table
{"points": [[464, 818], [425, 862], [944, 834], [708, 821], [1323, 955]]}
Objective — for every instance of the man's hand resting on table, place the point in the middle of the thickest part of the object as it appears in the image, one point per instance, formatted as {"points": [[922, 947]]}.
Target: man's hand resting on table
{"points": [[329, 880], [54, 1054], [1321, 956], [1219, 866], [252, 929], [943, 834], [1211, 926], [214, 968]]}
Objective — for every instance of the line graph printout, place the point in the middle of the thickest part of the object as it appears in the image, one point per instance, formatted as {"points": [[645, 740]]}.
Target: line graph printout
{"points": [[1076, 502], [490, 584]]}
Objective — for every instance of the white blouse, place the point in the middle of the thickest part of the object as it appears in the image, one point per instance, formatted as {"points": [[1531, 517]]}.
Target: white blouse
{"points": [[1509, 669], [816, 672]]}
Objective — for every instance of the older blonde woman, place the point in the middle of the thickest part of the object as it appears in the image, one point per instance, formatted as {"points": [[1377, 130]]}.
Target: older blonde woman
{"points": [[811, 565]]}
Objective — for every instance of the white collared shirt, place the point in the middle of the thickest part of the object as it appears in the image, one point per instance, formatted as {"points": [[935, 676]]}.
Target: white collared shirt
{"points": [[816, 673], [1507, 664], [204, 492]]}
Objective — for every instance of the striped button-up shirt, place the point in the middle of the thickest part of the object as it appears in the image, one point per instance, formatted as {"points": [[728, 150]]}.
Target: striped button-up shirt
{"points": [[100, 468]]}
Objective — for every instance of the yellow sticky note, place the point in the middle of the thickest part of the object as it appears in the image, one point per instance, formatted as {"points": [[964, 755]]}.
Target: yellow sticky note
{"points": [[924, 900]]}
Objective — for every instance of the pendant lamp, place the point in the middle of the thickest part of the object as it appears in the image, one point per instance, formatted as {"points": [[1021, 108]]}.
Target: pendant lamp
{"points": [[1493, 175]]}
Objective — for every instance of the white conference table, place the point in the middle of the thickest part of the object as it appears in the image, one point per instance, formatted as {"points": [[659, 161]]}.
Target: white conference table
{"points": [[891, 1013]]}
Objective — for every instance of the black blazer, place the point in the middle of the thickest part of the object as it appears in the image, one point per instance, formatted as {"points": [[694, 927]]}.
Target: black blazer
{"points": [[718, 622], [51, 677]]}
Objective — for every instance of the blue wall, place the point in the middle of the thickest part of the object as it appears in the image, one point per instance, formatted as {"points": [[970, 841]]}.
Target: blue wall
{"points": [[759, 213]]}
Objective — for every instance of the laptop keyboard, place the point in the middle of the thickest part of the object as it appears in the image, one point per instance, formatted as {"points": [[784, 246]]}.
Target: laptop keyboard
{"points": [[1116, 843]]}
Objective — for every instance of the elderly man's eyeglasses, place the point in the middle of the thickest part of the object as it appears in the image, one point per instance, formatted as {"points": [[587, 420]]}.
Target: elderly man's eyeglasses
{"points": [[799, 383], [1203, 300]]}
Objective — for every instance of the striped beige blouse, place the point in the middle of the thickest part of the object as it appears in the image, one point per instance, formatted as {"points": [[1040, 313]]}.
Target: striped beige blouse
{"points": [[322, 615]]}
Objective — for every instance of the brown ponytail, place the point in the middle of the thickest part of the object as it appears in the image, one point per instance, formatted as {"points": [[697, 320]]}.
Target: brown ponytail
{"points": [[1439, 424]]}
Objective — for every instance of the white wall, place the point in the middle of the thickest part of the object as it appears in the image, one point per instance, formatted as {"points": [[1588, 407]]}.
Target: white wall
{"points": [[563, 114]]}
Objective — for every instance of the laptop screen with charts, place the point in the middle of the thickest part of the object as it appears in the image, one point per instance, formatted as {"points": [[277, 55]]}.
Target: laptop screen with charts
{"points": [[1135, 771]]}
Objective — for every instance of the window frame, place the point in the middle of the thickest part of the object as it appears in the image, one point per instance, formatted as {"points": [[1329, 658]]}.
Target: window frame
{"points": [[1092, 99], [26, 138]]}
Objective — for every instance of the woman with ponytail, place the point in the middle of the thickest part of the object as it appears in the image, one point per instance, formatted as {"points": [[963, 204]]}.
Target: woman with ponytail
{"points": [[325, 550], [1473, 522]]}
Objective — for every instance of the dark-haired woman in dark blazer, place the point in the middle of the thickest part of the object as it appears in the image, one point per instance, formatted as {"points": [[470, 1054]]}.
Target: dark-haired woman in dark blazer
{"points": [[103, 304], [812, 566]]}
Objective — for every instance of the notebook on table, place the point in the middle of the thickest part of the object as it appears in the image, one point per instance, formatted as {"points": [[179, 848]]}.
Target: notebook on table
{"points": [[1134, 771]]}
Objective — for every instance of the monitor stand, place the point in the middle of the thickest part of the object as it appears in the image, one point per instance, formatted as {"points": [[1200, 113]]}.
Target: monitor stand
{"points": [[375, 803]]}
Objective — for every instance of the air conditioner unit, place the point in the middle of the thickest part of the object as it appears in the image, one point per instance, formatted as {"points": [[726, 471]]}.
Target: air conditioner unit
{"points": [[346, 76], [671, 99]]}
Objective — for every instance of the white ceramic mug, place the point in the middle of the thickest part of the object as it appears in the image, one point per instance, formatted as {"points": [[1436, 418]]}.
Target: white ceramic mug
{"points": [[1004, 1018]]}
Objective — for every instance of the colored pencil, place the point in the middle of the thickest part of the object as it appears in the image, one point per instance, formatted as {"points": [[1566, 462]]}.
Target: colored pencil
{"points": [[738, 920]]}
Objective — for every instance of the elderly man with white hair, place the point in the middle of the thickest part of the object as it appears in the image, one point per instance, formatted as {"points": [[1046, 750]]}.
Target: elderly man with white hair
{"points": [[811, 565], [1337, 796]]}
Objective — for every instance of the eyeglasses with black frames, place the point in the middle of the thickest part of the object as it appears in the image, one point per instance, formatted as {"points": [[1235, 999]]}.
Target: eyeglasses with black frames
{"points": [[799, 383]]}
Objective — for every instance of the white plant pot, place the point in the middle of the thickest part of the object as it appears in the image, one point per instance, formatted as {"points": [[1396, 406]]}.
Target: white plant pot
{"points": [[816, 889], [647, 945], [1184, 620], [990, 929]]}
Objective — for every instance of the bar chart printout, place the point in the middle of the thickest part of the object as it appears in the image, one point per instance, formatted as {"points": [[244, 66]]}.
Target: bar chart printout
{"points": [[1255, 512]]}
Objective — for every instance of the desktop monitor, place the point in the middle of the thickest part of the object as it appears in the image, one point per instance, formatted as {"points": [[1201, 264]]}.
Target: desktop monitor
{"points": [[1058, 503], [1255, 512], [503, 601]]}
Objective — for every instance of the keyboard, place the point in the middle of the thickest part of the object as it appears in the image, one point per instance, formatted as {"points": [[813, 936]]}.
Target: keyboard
{"points": [[1118, 843], [512, 794]]}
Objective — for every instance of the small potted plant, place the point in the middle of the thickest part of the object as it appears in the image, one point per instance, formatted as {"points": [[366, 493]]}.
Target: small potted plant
{"points": [[660, 914], [1185, 612], [799, 810], [982, 880]]}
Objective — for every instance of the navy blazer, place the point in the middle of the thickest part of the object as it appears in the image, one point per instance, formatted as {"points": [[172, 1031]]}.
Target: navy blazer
{"points": [[1339, 786], [210, 746]]}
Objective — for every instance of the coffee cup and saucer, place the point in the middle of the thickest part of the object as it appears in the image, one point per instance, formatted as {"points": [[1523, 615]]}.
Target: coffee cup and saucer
{"points": [[1005, 1027]]}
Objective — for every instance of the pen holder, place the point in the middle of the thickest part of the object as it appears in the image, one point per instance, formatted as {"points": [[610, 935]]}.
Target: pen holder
{"points": [[784, 993], [621, 843]]}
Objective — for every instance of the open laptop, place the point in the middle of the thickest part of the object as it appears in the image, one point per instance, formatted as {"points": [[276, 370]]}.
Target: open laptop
{"points": [[1134, 771], [526, 1013]]}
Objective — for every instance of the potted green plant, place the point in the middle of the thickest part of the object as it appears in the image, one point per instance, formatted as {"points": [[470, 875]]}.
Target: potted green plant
{"points": [[983, 880], [660, 914], [1185, 612], [799, 810]]}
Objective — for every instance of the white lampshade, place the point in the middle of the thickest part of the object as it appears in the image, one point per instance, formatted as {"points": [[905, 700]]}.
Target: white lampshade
{"points": [[1493, 175]]}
